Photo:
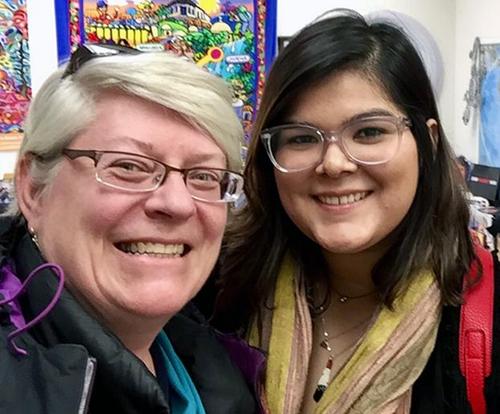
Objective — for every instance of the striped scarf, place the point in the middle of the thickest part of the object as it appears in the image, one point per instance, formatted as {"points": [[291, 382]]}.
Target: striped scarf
{"points": [[379, 375]]}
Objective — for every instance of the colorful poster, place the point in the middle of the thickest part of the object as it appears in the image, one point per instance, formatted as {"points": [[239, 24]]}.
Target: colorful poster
{"points": [[15, 78], [234, 39]]}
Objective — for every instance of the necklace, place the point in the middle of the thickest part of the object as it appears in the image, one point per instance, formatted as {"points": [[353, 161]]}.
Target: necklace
{"points": [[325, 377], [344, 298]]}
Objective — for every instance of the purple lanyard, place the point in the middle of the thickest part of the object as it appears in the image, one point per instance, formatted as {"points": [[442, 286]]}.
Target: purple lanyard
{"points": [[12, 282]]}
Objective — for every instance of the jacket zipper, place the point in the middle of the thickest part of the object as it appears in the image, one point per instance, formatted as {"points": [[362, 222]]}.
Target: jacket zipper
{"points": [[87, 386]]}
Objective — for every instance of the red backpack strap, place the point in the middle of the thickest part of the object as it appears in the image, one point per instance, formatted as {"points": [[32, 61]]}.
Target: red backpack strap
{"points": [[476, 330]]}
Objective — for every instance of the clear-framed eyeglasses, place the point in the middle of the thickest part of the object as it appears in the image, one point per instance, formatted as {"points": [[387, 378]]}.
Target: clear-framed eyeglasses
{"points": [[365, 141], [138, 173]]}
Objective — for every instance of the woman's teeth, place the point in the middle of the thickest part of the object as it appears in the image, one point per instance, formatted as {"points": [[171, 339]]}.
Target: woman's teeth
{"points": [[175, 250], [345, 199]]}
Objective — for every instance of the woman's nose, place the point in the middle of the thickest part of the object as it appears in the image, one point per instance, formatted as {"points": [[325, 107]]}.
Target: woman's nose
{"points": [[335, 161], [172, 198]]}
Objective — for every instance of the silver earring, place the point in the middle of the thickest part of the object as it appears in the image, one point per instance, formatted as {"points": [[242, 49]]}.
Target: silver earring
{"points": [[34, 236]]}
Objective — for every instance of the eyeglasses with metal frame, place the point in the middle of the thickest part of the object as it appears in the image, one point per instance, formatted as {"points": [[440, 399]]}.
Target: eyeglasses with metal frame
{"points": [[139, 173]]}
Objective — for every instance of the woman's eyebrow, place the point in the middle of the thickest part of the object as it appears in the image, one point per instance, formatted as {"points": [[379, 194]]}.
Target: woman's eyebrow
{"points": [[145, 147], [371, 113], [203, 158]]}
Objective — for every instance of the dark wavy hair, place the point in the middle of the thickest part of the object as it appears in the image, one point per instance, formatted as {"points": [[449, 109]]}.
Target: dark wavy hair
{"points": [[434, 232]]}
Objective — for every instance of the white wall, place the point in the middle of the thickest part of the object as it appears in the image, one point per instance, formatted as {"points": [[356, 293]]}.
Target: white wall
{"points": [[474, 18], [7, 162], [42, 40], [453, 23]]}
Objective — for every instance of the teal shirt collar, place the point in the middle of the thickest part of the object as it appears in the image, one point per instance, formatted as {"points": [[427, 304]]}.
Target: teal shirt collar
{"points": [[174, 378]]}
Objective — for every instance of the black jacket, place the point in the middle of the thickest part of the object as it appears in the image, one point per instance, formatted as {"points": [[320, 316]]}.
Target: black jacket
{"points": [[75, 365]]}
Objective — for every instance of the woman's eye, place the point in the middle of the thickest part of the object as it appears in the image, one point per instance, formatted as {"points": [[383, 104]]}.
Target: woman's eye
{"points": [[206, 176], [301, 139], [369, 132], [371, 135], [129, 166]]}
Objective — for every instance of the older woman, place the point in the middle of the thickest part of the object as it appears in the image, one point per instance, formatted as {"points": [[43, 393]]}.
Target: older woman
{"points": [[123, 181], [348, 263]]}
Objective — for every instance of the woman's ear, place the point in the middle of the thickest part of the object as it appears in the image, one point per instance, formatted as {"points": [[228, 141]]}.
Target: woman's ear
{"points": [[433, 128], [28, 193]]}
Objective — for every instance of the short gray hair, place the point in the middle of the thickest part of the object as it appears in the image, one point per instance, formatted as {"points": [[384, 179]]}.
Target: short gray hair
{"points": [[64, 106]]}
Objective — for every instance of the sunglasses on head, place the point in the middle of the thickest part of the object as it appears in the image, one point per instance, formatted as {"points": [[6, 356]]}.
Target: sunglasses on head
{"points": [[86, 52]]}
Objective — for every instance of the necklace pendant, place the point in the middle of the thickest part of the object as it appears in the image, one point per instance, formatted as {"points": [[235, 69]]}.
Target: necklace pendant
{"points": [[325, 345], [323, 380], [343, 299], [318, 393]]}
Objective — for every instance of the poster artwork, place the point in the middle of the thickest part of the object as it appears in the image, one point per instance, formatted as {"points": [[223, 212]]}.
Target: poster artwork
{"points": [[15, 79], [226, 37]]}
